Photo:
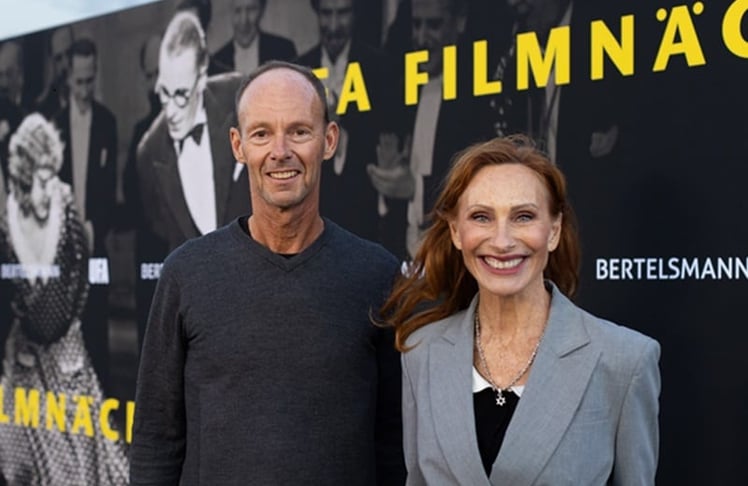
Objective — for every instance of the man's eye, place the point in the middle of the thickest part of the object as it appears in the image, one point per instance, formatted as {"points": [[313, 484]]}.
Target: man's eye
{"points": [[301, 133]]}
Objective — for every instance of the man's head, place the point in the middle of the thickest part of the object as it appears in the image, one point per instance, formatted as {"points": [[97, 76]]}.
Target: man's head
{"points": [[283, 137], [245, 18], [11, 71], [60, 42], [149, 52], [182, 73], [82, 75], [336, 19], [203, 9], [435, 24], [538, 15]]}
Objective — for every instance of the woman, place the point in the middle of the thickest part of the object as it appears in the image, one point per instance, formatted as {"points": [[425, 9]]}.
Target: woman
{"points": [[505, 381], [43, 240]]}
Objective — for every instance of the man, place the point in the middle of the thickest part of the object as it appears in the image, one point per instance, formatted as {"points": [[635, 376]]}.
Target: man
{"points": [[189, 182], [260, 363], [11, 86], [148, 248], [55, 98], [11, 73], [250, 46], [347, 196], [572, 122], [411, 166], [89, 132]]}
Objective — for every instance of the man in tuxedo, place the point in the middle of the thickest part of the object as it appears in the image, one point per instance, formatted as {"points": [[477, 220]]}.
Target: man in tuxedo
{"points": [[347, 196], [249, 46], [89, 132], [412, 163], [55, 98], [11, 73], [573, 122], [189, 182]]}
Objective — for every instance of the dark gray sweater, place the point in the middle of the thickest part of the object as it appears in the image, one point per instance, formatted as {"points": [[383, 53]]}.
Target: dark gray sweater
{"points": [[263, 369]]}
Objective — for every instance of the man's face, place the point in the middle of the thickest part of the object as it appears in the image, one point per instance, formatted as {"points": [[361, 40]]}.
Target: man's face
{"points": [[179, 86], [82, 79], [11, 72], [60, 44], [538, 15], [282, 139], [335, 25], [246, 20], [150, 62], [433, 27]]}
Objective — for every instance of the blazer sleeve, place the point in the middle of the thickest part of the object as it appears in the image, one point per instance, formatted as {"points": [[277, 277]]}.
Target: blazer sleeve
{"points": [[410, 429], [637, 439]]}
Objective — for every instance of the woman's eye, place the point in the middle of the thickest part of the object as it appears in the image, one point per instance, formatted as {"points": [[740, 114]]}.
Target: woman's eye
{"points": [[479, 217], [525, 217]]}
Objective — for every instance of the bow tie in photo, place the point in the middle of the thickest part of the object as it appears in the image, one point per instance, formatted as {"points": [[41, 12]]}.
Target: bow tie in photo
{"points": [[196, 134]]}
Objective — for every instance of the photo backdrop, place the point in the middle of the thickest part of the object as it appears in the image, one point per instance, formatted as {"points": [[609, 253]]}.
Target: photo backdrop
{"points": [[654, 152]]}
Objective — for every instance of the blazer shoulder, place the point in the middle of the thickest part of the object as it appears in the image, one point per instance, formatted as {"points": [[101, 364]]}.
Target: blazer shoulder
{"points": [[150, 139], [424, 336], [619, 343], [311, 58], [279, 46]]}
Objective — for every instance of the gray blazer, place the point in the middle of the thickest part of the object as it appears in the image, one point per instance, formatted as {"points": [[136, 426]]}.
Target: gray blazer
{"points": [[588, 414]]}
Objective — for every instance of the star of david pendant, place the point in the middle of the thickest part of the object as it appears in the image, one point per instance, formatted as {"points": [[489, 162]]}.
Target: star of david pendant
{"points": [[500, 400]]}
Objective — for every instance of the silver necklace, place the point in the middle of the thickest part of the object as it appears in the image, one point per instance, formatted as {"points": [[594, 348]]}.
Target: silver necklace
{"points": [[500, 398]]}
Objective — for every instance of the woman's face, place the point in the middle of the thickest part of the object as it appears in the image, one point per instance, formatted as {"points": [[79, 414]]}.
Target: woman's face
{"points": [[504, 228], [40, 194]]}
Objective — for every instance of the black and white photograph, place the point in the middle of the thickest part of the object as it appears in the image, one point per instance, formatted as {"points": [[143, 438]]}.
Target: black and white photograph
{"points": [[115, 152]]}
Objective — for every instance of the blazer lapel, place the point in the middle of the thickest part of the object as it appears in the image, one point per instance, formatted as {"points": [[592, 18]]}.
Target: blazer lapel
{"points": [[220, 147], [167, 173], [556, 384], [450, 376]]}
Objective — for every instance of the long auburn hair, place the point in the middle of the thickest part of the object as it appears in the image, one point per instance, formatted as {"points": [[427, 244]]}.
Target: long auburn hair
{"points": [[437, 283]]}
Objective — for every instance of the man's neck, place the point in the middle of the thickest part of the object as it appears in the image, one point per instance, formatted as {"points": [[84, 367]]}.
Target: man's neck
{"points": [[82, 107], [248, 44], [285, 231]]}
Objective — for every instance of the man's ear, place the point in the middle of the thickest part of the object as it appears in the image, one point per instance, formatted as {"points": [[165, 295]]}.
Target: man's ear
{"points": [[332, 135], [235, 138]]}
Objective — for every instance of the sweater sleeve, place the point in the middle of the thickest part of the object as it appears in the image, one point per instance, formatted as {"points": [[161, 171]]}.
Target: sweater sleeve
{"points": [[159, 428], [389, 427]]}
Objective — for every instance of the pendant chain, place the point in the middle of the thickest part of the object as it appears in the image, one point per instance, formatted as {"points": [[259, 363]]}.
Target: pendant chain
{"points": [[500, 398]]}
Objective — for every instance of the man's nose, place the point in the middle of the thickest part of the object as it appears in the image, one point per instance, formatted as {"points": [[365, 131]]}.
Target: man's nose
{"points": [[419, 35], [279, 149]]}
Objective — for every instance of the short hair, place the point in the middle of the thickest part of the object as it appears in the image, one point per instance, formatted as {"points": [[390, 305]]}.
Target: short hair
{"points": [[203, 8], [52, 33], [18, 50], [144, 48], [315, 5], [185, 32], [438, 274], [273, 65], [83, 47], [36, 143]]}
